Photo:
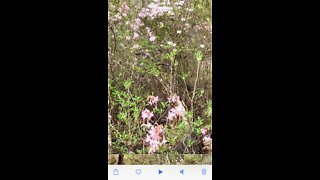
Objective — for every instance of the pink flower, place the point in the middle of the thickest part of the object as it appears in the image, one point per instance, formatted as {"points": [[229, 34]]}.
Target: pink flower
{"points": [[145, 55], [134, 27], [152, 38], [171, 115], [176, 112], [154, 9], [148, 30], [204, 131], [143, 13], [174, 99], [125, 6], [207, 139], [155, 138], [197, 27], [135, 35], [179, 111], [147, 114], [153, 100], [208, 27], [138, 22]]}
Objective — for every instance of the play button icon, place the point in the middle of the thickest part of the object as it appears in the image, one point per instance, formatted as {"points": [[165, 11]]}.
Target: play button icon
{"points": [[160, 171]]}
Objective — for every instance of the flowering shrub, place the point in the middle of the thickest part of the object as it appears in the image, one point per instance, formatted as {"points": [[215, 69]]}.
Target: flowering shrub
{"points": [[159, 78]]}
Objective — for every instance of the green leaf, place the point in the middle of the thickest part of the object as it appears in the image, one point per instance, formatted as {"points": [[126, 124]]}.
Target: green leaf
{"points": [[199, 56], [127, 84], [122, 116], [182, 126]]}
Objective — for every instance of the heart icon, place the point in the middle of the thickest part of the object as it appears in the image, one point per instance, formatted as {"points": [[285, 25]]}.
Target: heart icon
{"points": [[138, 171]]}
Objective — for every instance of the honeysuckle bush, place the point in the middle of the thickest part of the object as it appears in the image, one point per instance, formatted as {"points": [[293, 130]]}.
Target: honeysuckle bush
{"points": [[159, 78]]}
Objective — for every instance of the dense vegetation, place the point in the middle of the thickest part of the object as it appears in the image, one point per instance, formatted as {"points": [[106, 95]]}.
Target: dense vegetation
{"points": [[159, 78]]}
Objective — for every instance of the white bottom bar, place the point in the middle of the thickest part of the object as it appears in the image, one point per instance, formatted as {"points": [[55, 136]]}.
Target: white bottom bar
{"points": [[157, 172]]}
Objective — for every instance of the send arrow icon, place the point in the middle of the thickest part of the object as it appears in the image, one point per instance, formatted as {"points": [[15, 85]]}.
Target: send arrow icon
{"points": [[160, 171]]}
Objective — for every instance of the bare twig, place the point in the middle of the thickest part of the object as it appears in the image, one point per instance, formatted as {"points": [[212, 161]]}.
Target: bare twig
{"points": [[194, 89]]}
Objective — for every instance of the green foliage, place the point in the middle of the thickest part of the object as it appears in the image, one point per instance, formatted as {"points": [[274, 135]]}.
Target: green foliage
{"points": [[198, 55]]}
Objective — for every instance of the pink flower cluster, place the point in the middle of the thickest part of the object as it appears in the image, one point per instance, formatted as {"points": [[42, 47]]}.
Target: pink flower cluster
{"points": [[153, 100], [154, 9], [174, 99], [135, 35], [124, 7], [147, 114], [206, 139], [176, 113], [123, 10], [137, 24], [150, 35], [155, 138], [204, 131], [178, 110]]}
